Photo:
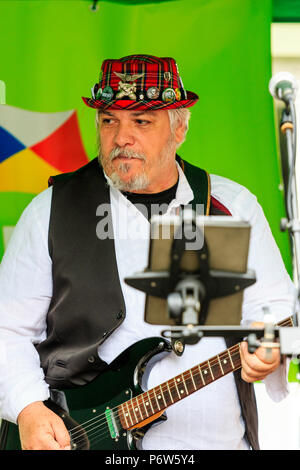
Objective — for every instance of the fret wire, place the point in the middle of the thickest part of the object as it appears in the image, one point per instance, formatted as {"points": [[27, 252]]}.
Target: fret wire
{"points": [[124, 414], [133, 408], [138, 407], [169, 392], [150, 401], [175, 380], [211, 373], [193, 379], [183, 379], [229, 355], [129, 413], [163, 395], [220, 364], [145, 406], [199, 367], [158, 406], [142, 403], [216, 369]]}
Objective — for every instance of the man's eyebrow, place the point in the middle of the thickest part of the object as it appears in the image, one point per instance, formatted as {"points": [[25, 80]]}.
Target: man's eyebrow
{"points": [[134, 113], [106, 112], [139, 113]]}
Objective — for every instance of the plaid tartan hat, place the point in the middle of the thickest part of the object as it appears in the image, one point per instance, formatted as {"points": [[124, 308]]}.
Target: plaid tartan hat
{"points": [[140, 82]]}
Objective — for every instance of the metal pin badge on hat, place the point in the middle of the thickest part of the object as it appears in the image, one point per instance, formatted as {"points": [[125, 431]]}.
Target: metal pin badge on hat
{"points": [[153, 93], [107, 93], [99, 94], [126, 86], [177, 94], [168, 95]]}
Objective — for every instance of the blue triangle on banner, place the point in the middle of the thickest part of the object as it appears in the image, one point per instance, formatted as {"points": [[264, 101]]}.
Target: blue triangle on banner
{"points": [[8, 144]]}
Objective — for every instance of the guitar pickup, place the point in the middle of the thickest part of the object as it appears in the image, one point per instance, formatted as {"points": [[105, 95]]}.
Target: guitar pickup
{"points": [[111, 422]]}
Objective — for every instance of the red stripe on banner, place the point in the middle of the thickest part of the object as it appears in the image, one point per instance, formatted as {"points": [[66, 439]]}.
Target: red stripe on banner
{"points": [[63, 149]]}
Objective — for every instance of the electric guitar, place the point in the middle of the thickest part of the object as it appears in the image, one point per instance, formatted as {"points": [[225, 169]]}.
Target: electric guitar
{"points": [[114, 411]]}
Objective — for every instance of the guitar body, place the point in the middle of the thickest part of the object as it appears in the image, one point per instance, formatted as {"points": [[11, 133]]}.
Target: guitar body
{"points": [[90, 422], [114, 411]]}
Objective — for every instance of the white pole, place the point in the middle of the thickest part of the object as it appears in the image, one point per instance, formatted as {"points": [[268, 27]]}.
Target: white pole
{"points": [[2, 92]]}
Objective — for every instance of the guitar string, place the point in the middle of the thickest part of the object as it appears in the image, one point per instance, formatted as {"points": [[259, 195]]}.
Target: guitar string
{"points": [[212, 362], [101, 423], [202, 366], [101, 433]]}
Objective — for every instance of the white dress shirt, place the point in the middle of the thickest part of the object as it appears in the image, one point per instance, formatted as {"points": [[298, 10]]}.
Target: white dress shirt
{"points": [[208, 419]]}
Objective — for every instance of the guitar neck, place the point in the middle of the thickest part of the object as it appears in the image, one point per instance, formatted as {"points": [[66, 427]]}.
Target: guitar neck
{"points": [[157, 399]]}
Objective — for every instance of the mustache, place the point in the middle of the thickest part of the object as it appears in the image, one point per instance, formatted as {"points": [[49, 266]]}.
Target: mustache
{"points": [[118, 151]]}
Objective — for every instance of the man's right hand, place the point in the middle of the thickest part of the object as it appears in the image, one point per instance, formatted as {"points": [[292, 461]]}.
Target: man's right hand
{"points": [[41, 429]]}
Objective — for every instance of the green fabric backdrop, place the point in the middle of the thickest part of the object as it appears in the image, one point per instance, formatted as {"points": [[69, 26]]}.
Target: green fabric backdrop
{"points": [[52, 51]]}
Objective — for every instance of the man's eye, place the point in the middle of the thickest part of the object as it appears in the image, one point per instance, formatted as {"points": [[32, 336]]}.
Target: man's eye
{"points": [[142, 121], [106, 121]]}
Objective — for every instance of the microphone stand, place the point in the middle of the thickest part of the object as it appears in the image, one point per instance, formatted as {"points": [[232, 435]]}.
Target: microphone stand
{"points": [[291, 223], [290, 340]]}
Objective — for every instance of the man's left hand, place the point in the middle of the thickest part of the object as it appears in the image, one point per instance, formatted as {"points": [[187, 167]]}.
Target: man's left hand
{"points": [[258, 365]]}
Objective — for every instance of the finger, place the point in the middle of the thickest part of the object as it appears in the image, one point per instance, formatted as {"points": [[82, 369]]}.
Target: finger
{"points": [[253, 368], [42, 440], [260, 360], [268, 355], [272, 355], [61, 434], [251, 375]]}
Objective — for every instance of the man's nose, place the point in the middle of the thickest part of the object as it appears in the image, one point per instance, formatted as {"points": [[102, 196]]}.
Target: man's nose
{"points": [[124, 135]]}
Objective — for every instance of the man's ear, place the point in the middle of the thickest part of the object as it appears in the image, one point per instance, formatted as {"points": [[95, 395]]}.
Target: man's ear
{"points": [[180, 133]]}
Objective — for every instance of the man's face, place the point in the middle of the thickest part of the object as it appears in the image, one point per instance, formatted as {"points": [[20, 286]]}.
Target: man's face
{"points": [[138, 149]]}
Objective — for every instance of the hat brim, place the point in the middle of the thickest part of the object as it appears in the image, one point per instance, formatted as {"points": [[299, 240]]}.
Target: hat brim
{"points": [[192, 99]]}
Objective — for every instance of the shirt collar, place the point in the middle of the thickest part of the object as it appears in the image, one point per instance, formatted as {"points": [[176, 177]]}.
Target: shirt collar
{"points": [[184, 193]]}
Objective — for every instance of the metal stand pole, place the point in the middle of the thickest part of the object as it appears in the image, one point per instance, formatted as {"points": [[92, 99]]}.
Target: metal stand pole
{"points": [[291, 223]]}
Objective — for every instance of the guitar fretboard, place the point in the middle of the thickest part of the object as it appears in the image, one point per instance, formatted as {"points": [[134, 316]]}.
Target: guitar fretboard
{"points": [[153, 401]]}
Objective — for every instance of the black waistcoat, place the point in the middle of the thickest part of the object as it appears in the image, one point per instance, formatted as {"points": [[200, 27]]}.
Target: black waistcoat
{"points": [[87, 303]]}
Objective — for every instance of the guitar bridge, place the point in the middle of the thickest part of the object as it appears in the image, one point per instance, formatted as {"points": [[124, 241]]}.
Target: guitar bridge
{"points": [[111, 423]]}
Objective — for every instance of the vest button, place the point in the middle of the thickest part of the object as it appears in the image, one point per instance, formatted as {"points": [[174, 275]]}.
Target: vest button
{"points": [[91, 359]]}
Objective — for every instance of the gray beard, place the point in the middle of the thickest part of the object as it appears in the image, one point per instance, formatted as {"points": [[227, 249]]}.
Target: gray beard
{"points": [[137, 183]]}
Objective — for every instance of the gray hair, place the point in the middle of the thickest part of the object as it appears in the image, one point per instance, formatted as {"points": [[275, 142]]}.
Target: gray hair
{"points": [[179, 116]]}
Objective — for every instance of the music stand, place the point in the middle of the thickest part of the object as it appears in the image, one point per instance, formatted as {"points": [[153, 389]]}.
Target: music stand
{"points": [[196, 291]]}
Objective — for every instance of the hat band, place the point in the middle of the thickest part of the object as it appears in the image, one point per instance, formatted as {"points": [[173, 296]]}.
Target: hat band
{"points": [[133, 91]]}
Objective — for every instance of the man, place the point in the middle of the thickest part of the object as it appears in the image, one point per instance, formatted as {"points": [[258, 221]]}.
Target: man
{"points": [[66, 312]]}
